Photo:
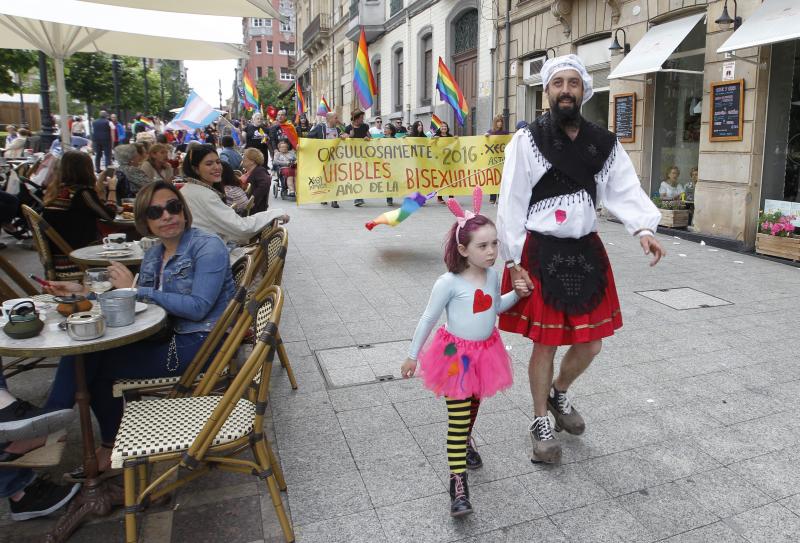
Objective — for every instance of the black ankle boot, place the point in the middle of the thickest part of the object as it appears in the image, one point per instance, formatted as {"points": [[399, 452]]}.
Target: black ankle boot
{"points": [[474, 460], [459, 495]]}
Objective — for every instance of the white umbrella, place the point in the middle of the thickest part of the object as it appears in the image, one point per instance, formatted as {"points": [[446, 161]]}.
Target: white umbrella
{"points": [[61, 28], [240, 8]]}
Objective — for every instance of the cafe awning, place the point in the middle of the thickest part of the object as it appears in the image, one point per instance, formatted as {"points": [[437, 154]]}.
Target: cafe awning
{"points": [[773, 22], [655, 47]]}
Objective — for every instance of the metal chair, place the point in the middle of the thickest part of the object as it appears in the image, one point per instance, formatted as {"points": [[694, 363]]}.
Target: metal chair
{"points": [[202, 432]]}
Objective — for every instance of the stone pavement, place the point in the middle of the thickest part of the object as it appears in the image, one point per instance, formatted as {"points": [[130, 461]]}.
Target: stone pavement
{"points": [[693, 416]]}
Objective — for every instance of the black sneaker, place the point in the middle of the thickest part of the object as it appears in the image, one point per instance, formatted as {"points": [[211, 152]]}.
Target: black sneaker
{"points": [[335, 205], [22, 420], [358, 203], [545, 446], [567, 417], [474, 460], [41, 498]]}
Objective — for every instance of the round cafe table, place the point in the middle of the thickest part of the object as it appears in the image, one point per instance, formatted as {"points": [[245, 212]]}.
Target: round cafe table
{"points": [[96, 497], [93, 255]]}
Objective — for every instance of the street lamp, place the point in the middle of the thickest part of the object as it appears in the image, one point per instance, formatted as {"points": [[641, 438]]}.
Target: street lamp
{"points": [[115, 75], [725, 20], [48, 133], [615, 47]]}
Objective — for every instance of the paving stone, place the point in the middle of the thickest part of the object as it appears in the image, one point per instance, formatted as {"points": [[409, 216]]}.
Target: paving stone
{"points": [[625, 472], [561, 488], [774, 473], [361, 527], [301, 405], [334, 495], [770, 523], [358, 397], [294, 433], [230, 521], [666, 510], [423, 411], [388, 483], [316, 462], [712, 533], [500, 461], [601, 522], [405, 390], [723, 492], [792, 503], [498, 426], [398, 445], [369, 423], [536, 530]]}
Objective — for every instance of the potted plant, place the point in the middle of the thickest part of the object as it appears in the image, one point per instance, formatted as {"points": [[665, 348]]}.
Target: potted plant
{"points": [[777, 236], [673, 213]]}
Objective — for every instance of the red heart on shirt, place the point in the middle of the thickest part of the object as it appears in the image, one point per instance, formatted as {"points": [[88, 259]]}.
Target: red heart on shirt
{"points": [[482, 302], [561, 216]]}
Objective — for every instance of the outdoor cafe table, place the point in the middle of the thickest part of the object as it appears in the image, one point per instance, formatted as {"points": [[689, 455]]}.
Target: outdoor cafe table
{"points": [[92, 255], [95, 497]]}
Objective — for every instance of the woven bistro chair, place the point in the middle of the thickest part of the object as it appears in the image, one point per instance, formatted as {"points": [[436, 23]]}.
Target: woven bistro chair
{"points": [[248, 208], [134, 389], [42, 231], [192, 435]]}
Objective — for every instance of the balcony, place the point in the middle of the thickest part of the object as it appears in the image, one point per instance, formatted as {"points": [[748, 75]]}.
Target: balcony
{"points": [[316, 33], [369, 14]]}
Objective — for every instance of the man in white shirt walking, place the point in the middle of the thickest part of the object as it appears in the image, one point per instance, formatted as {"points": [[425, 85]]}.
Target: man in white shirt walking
{"points": [[556, 172]]}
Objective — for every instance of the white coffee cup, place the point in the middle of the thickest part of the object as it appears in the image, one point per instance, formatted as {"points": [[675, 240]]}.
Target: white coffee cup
{"points": [[8, 305], [114, 240]]}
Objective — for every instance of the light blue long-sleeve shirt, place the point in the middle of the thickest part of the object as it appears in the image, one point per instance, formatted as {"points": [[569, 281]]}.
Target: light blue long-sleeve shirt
{"points": [[470, 315]]}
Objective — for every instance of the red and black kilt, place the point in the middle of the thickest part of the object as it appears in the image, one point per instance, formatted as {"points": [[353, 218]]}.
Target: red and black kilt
{"points": [[544, 324]]}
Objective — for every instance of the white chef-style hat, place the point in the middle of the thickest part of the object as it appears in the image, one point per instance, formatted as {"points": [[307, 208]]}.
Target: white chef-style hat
{"points": [[568, 62]]}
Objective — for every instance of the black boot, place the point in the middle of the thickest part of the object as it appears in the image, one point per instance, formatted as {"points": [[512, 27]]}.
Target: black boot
{"points": [[474, 460], [459, 495]]}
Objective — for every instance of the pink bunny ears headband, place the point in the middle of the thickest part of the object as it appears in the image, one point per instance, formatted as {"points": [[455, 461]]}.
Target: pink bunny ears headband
{"points": [[463, 216]]}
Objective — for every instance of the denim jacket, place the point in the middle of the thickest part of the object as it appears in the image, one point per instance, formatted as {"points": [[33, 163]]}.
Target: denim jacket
{"points": [[197, 281]]}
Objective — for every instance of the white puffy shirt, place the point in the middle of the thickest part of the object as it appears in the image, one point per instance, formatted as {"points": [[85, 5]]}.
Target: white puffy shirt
{"points": [[573, 215]]}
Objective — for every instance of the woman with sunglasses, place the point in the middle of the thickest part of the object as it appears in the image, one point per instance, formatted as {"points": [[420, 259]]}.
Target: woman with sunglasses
{"points": [[188, 274], [202, 168]]}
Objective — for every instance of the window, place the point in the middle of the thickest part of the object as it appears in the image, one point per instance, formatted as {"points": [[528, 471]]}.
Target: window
{"points": [[269, 47], [286, 75], [287, 48], [376, 72], [259, 72], [287, 5], [398, 89], [427, 69], [259, 23], [286, 26], [340, 74], [395, 6], [258, 47]]}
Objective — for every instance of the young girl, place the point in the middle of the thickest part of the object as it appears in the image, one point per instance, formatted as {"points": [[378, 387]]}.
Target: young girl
{"points": [[466, 360]]}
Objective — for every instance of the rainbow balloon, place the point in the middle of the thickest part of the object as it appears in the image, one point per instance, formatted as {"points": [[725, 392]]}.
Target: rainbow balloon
{"points": [[411, 205]]}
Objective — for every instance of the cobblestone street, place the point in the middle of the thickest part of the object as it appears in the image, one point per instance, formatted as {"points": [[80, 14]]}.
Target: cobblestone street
{"points": [[693, 415]]}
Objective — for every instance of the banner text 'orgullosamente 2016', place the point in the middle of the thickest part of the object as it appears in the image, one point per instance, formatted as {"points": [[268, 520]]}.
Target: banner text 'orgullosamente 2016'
{"points": [[346, 169]]}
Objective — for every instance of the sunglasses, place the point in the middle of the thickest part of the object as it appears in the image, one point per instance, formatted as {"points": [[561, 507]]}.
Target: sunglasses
{"points": [[173, 207]]}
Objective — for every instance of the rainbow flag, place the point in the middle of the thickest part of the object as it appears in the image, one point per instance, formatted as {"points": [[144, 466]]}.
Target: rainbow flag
{"points": [[450, 93], [323, 108], [147, 122], [436, 123], [300, 100], [411, 204], [363, 81], [250, 91]]}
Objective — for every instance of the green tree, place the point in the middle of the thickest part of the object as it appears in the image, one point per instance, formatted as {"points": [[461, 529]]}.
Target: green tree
{"points": [[269, 90], [13, 63], [89, 79]]}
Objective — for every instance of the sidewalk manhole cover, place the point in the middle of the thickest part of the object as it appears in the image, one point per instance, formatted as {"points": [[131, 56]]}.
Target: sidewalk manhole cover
{"points": [[684, 298], [362, 364]]}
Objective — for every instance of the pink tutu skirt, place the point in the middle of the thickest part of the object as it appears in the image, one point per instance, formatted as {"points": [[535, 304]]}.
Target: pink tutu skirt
{"points": [[461, 368]]}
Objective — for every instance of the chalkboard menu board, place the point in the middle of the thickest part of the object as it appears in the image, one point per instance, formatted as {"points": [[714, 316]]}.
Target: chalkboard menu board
{"points": [[727, 103], [625, 117]]}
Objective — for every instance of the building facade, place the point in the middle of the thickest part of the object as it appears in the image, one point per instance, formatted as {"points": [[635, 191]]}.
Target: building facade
{"points": [[666, 84], [405, 40], [271, 44]]}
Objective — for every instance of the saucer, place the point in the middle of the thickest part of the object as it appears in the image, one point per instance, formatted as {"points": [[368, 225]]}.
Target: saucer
{"points": [[125, 245], [123, 253]]}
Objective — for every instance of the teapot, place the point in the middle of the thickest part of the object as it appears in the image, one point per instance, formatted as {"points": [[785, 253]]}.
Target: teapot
{"points": [[74, 303], [23, 321]]}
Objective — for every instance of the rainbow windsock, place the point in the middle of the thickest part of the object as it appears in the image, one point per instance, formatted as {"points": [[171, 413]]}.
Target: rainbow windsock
{"points": [[250, 91], [363, 80], [323, 108], [300, 100], [436, 123], [411, 204], [450, 93]]}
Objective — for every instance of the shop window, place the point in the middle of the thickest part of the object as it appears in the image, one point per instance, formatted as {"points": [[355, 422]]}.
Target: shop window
{"points": [[678, 109], [781, 178]]}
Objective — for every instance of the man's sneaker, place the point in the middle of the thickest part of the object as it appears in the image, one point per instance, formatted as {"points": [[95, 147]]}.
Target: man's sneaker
{"points": [[335, 205], [21, 420], [474, 460], [459, 495], [567, 417], [545, 446], [358, 202], [41, 498]]}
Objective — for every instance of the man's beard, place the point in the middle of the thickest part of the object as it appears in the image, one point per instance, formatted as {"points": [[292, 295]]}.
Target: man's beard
{"points": [[565, 116]]}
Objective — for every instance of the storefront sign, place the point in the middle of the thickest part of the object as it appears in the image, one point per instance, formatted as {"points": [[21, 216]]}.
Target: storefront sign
{"points": [[346, 169], [727, 103], [625, 117], [728, 70]]}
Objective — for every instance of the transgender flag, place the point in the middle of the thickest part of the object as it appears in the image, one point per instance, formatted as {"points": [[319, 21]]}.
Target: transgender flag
{"points": [[196, 113]]}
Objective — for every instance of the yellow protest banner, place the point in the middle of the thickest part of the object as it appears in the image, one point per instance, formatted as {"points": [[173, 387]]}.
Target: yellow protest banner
{"points": [[346, 169]]}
